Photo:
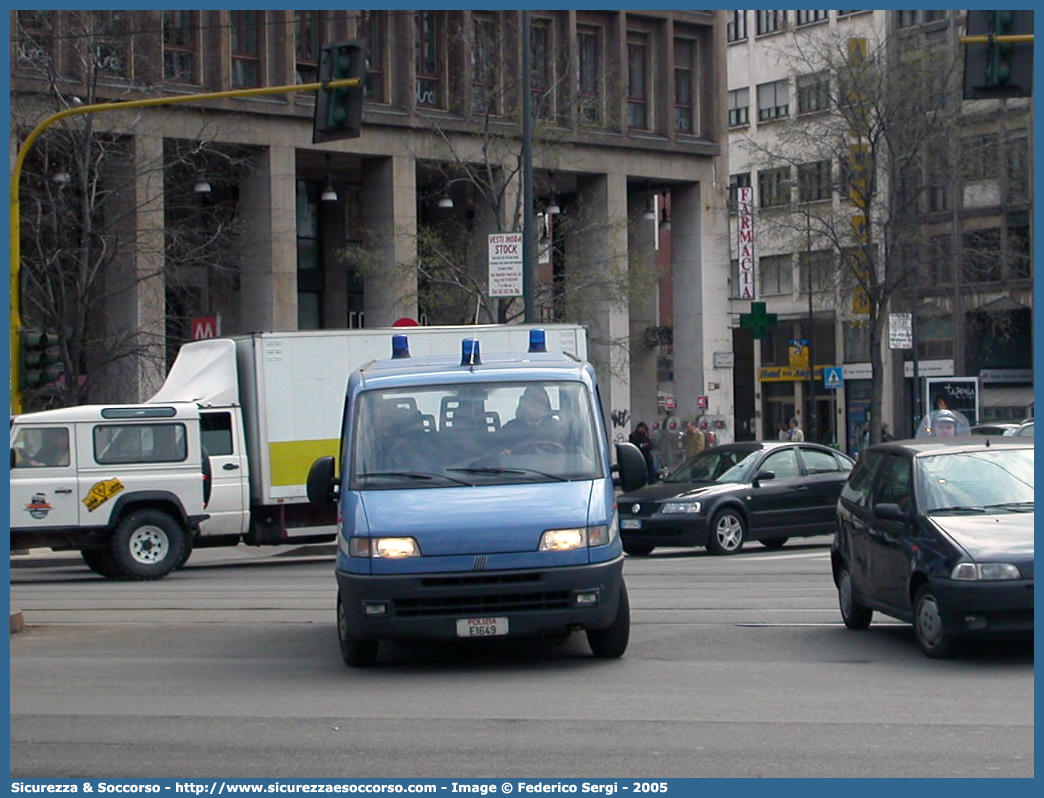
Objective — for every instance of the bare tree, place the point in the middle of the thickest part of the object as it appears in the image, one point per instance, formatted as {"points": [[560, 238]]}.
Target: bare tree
{"points": [[851, 176], [86, 186]]}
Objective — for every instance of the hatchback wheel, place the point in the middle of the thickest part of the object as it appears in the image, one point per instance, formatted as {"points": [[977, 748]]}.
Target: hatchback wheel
{"points": [[854, 614], [727, 533], [933, 638]]}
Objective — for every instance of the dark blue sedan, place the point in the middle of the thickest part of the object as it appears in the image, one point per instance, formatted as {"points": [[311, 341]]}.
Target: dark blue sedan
{"points": [[939, 533], [767, 491]]}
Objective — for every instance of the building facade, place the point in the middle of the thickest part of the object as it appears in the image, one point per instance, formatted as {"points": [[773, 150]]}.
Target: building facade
{"points": [[240, 223], [967, 192]]}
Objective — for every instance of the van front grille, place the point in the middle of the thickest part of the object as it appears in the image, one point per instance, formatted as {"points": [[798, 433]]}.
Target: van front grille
{"points": [[483, 604]]}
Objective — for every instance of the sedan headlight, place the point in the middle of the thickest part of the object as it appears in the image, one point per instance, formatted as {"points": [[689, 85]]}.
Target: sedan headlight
{"points": [[673, 508], [387, 548], [577, 537], [984, 571]]}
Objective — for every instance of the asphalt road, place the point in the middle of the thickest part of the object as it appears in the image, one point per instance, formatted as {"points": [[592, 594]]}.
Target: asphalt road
{"points": [[737, 667]]}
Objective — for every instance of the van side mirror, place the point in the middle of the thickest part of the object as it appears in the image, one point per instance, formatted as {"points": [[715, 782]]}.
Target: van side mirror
{"points": [[322, 484], [630, 465]]}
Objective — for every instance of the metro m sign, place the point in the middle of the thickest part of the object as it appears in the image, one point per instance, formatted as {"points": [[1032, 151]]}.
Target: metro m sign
{"points": [[204, 327]]}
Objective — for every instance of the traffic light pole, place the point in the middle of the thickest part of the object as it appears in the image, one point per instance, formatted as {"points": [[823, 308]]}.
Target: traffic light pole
{"points": [[23, 151]]}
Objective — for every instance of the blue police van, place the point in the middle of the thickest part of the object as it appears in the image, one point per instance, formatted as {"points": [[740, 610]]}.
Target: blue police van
{"points": [[475, 499]]}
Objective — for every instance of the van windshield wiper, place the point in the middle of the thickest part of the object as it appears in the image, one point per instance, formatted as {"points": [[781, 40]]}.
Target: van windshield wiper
{"points": [[414, 475], [1015, 507], [490, 470]]}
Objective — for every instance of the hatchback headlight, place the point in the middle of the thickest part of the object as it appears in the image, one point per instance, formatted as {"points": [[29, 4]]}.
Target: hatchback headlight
{"points": [[984, 571], [673, 508], [386, 548]]}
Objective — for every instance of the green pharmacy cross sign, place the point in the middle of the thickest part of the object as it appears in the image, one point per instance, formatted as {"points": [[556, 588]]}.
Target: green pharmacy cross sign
{"points": [[758, 322]]}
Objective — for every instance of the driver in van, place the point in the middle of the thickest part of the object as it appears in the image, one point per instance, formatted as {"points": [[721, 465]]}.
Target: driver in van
{"points": [[533, 424]]}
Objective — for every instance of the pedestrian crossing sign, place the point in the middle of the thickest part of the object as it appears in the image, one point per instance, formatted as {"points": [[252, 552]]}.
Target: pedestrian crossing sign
{"points": [[832, 378]]}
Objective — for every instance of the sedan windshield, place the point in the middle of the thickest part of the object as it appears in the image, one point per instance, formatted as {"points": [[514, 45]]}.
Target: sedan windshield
{"points": [[438, 436], [716, 465], [990, 479]]}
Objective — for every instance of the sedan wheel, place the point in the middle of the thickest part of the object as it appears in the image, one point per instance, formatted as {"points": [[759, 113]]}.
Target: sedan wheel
{"points": [[928, 625], [728, 531]]}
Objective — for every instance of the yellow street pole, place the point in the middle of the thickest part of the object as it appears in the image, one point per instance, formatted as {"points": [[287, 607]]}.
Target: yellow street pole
{"points": [[23, 151]]}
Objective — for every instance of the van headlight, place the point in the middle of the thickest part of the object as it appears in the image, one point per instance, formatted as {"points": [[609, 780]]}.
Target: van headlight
{"points": [[984, 571], [681, 508], [577, 537], [386, 548]]}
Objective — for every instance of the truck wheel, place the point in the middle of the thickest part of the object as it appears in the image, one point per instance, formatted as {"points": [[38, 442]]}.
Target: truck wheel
{"points": [[101, 562], [611, 642], [356, 653], [147, 544], [186, 552]]}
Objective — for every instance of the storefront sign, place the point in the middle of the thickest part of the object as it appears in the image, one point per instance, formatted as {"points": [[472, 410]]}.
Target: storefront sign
{"points": [[786, 374], [745, 240]]}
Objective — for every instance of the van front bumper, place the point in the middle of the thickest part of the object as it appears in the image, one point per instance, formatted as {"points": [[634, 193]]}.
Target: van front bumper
{"points": [[535, 602]]}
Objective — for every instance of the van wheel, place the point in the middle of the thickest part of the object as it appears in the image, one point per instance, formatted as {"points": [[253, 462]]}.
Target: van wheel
{"points": [[611, 642], [101, 562], [356, 653], [727, 532], [147, 544]]}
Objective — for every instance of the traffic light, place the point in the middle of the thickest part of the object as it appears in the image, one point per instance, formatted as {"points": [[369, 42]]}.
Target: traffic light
{"points": [[998, 68], [41, 357], [338, 112]]}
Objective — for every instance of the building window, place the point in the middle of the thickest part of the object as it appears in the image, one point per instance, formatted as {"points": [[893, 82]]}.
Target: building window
{"points": [[180, 46], [773, 187], [109, 30], [819, 267], [246, 49], [307, 38], [848, 13], [375, 25], [589, 49], [1020, 253], [937, 174], [770, 21], [982, 256], [739, 107], [310, 273], [777, 274], [814, 181], [684, 82], [813, 93], [543, 71], [979, 157], [428, 59], [808, 17], [940, 261], [638, 81], [736, 26], [934, 337], [35, 36], [857, 341], [485, 56], [908, 19], [741, 180], [773, 100], [1018, 168]]}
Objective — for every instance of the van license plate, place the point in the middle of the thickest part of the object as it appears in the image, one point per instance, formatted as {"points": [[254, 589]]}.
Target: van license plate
{"points": [[630, 523], [482, 627]]}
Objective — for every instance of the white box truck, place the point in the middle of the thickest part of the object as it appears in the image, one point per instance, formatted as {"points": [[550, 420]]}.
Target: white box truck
{"points": [[220, 455]]}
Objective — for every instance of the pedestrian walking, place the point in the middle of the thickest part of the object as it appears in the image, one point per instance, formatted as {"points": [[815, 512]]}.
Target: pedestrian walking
{"points": [[795, 431]]}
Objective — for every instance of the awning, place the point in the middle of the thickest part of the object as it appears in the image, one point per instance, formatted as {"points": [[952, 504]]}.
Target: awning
{"points": [[1016, 396]]}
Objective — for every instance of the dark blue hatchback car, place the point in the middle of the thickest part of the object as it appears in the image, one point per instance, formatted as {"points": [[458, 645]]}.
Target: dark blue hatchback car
{"points": [[938, 532]]}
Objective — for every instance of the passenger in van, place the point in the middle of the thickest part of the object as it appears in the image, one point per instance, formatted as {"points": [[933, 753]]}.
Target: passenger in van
{"points": [[52, 452], [534, 426]]}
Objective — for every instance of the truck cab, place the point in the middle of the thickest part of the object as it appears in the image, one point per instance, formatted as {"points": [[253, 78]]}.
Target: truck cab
{"points": [[125, 485], [476, 499]]}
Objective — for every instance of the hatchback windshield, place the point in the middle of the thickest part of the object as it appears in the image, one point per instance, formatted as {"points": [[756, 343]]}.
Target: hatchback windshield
{"points": [[997, 478], [474, 434], [716, 465]]}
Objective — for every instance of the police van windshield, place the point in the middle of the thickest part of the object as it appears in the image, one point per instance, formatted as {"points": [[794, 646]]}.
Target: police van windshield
{"points": [[477, 434]]}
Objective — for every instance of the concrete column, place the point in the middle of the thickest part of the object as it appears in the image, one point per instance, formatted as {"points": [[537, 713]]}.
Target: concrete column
{"points": [[390, 235], [137, 283], [597, 257], [268, 202]]}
